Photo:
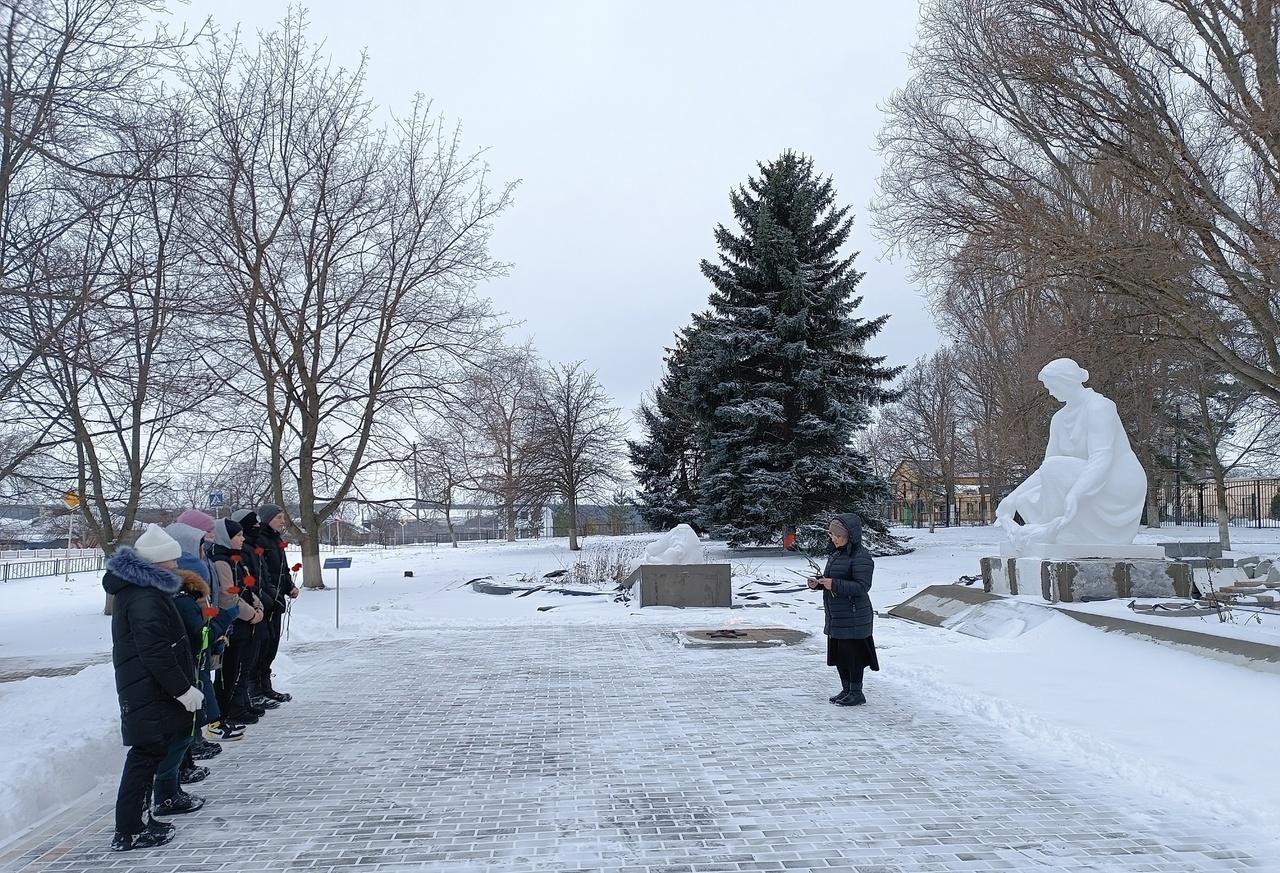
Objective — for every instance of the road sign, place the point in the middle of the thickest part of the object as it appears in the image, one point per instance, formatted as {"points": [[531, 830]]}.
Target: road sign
{"points": [[216, 499], [337, 563], [72, 499]]}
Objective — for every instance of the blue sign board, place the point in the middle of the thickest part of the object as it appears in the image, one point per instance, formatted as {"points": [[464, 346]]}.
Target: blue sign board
{"points": [[216, 498], [337, 563]]}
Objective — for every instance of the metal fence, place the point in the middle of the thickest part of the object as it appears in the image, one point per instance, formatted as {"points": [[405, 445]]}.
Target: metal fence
{"points": [[37, 554], [480, 535], [13, 570], [1250, 503], [916, 513]]}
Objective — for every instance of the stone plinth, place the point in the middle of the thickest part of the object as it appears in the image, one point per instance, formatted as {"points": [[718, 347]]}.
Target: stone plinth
{"points": [[690, 585], [1178, 549], [1102, 551], [1092, 579]]}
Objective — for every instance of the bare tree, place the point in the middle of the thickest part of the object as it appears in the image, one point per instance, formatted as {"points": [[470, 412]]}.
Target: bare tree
{"points": [[354, 251], [507, 463], [581, 434], [442, 462], [1227, 426], [1126, 146], [74, 76], [924, 428], [112, 379]]}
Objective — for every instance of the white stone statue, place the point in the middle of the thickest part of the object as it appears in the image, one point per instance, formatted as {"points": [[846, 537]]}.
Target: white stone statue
{"points": [[680, 545], [1089, 492]]}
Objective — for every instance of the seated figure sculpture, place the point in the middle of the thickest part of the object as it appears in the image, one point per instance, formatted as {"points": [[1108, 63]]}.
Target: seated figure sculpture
{"points": [[1091, 488], [680, 545]]}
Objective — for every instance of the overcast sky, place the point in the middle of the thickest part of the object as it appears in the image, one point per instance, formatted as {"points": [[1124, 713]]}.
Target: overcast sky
{"points": [[627, 124]]}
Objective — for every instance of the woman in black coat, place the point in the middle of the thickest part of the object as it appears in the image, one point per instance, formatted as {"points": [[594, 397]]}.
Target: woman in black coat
{"points": [[846, 582], [155, 676]]}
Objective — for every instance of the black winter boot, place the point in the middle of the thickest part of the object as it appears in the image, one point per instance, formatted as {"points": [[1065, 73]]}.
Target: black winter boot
{"points": [[835, 698], [178, 804], [156, 833], [192, 775], [853, 697]]}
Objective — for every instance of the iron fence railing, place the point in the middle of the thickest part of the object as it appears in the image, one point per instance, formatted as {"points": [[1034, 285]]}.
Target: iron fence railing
{"points": [[13, 570], [918, 513], [37, 554], [474, 535], [1250, 503]]}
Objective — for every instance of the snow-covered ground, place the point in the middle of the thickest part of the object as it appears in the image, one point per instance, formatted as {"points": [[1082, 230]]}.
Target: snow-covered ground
{"points": [[1173, 723]]}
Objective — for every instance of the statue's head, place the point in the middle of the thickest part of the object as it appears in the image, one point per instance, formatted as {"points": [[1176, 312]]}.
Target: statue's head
{"points": [[1063, 378]]}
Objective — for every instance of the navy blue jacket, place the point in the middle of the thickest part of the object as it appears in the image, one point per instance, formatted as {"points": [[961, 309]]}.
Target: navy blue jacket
{"points": [[847, 604]]}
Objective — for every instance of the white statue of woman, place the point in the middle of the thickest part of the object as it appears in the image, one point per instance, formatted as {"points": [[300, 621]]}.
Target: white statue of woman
{"points": [[1091, 487]]}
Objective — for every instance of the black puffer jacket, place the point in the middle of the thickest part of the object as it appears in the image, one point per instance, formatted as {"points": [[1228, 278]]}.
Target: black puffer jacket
{"points": [[275, 566], [149, 649], [849, 612], [254, 574]]}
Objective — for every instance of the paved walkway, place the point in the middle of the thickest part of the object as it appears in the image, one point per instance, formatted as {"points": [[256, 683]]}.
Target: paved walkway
{"points": [[612, 749]]}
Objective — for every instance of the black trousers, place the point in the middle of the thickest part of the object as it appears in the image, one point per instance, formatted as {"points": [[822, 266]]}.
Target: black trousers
{"points": [[273, 626], [238, 662], [851, 658], [134, 796]]}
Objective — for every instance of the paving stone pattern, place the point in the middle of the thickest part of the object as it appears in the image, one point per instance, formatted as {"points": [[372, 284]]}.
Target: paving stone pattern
{"points": [[563, 749]]}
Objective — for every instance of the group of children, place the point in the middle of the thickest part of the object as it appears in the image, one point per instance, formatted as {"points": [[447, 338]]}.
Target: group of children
{"points": [[196, 622]]}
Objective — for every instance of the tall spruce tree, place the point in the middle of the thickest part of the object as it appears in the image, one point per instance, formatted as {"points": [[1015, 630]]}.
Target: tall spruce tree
{"points": [[782, 382], [668, 459]]}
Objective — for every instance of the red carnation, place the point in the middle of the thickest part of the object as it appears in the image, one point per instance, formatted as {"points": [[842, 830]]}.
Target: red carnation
{"points": [[210, 611], [234, 589], [297, 567], [284, 544], [250, 580], [259, 550], [235, 559]]}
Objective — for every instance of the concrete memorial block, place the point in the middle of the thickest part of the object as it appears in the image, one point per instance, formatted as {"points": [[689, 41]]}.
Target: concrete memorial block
{"points": [[1183, 549], [684, 585]]}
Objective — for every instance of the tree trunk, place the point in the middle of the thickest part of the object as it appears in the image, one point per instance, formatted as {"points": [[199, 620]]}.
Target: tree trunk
{"points": [[1153, 506], [312, 577], [573, 523], [1224, 515], [511, 520], [448, 521]]}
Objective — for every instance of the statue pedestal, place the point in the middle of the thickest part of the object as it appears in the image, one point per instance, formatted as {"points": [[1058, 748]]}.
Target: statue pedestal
{"points": [[1070, 581], [682, 585], [1102, 551]]}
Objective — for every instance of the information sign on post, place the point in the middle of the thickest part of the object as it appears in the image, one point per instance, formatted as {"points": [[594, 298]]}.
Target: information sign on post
{"points": [[217, 499], [338, 564]]}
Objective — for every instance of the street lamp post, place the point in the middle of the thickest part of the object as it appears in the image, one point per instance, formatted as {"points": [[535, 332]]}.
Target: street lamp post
{"points": [[417, 501], [1177, 464]]}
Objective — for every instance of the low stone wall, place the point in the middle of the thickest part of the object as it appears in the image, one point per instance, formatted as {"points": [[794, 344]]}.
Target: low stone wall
{"points": [[1092, 579]]}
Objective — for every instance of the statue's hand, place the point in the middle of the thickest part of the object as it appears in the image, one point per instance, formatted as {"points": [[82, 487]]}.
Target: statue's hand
{"points": [[1072, 506]]}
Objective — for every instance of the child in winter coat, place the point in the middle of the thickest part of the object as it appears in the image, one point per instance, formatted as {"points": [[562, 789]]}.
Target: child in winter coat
{"points": [[154, 675], [235, 587], [195, 560]]}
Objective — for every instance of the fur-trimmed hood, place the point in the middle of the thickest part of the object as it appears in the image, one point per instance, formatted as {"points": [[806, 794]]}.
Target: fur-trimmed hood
{"points": [[192, 584], [127, 567]]}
